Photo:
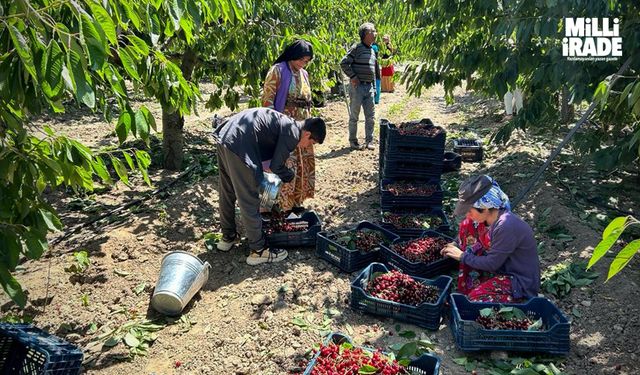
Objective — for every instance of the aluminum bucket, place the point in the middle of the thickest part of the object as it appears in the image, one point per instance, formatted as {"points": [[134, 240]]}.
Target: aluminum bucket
{"points": [[181, 277], [269, 190]]}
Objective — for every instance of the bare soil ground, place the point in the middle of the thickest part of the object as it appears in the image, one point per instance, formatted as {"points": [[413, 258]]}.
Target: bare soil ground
{"points": [[241, 321]]}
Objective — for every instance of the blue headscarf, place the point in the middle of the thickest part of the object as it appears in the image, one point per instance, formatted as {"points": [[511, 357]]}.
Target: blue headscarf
{"points": [[494, 198]]}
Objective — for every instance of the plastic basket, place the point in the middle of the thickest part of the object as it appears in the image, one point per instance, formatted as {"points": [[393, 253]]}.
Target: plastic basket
{"points": [[469, 149], [305, 238], [395, 140], [405, 168], [406, 233], [390, 201], [25, 349], [426, 364], [400, 263], [384, 128], [471, 336], [426, 315], [345, 259]]}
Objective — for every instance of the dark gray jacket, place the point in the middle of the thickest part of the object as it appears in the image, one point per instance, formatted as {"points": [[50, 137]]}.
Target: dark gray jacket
{"points": [[361, 62], [260, 134]]}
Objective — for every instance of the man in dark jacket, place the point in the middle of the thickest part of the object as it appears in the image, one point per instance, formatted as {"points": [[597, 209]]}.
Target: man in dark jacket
{"points": [[245, 140], [361, 66]]}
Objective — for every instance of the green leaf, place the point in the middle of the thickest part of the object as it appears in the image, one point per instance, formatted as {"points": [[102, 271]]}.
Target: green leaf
{"points": [[131, 340], [52, 82], [154, 25], [93, 41], [604, 246], [486, 312], [129, 63], [84, 91], [101, 170], [623, 258], [112, 341], [175, 12], [625, 94], [22, 46], [36, 244], [407, 334], [142, 127], [128, 159], [123, 127], [617, 223], [139, 45], [409, 349], [105, 21], [12, 287], [536, 326], [143, 160], [121, 171], [300, 322], [139, 288], [367, 369], [50, 219], [148, 117], [460, 361]]}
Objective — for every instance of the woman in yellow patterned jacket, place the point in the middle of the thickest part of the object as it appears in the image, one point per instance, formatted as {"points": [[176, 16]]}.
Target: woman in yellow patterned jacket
{"points": [[287, 90]]}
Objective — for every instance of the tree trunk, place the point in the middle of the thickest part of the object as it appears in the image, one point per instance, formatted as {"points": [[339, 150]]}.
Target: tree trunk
{"points": [[173, 122], [566, 110]]}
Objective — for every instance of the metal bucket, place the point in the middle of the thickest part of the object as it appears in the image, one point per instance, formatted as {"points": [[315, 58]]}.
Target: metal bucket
{"points": [[181, 277], [269, 189]]}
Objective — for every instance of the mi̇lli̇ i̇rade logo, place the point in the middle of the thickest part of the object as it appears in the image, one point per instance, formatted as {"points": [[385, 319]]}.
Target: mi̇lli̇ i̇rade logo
{"points": [[592, 39]]}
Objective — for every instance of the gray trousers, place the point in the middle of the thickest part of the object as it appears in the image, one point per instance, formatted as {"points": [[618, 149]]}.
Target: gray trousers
{"points": [[238, 182], [362, 96]]}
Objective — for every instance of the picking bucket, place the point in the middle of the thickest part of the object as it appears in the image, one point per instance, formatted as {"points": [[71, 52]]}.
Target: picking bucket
{"points": [[181, 277]]}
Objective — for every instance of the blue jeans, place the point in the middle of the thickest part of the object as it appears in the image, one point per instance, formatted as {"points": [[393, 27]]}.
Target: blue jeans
{"points": [[362, 96], [376, 99]]}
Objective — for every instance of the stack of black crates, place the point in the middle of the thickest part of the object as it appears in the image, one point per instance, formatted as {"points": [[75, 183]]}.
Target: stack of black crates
{"points": [[414, 160]]}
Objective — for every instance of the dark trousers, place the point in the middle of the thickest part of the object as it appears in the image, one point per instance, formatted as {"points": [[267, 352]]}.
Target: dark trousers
{"points": [[238, 182]]}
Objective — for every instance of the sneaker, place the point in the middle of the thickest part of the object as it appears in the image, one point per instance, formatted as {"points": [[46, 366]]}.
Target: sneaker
{"points": [[356, 146], [266, 255], [370, 146], [226, 244]]}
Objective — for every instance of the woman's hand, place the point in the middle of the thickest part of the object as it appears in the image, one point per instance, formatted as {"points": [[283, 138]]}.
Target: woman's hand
{"points": [[451, 251]]}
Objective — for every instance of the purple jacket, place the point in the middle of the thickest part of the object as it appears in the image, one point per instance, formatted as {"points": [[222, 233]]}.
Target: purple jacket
{"points": [[513, 252]]}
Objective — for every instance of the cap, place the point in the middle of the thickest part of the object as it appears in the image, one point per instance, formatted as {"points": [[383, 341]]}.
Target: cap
{"points": [[470, 192]]}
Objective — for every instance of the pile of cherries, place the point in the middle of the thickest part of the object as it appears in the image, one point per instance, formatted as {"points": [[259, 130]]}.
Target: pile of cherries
{"points": [[419, 129], [412, 221], [421, 250], [497, 320], [402, 288], [347, 360], [278, 223], [411, 189]]}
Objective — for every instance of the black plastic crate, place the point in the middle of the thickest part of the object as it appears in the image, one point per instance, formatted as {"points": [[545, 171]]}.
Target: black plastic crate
{"points": [[426, 315], [469, 149], [426, 364], [395, 139], [384, 129], [25, 349], [390, 201], [470, 336], [305, 238], [406, 233], [412, 169], [346, 259], [400, 263], [452, 162]]}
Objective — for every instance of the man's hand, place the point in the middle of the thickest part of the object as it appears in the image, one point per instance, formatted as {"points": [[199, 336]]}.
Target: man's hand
{"points": [[451, 251], [355, 82]]}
